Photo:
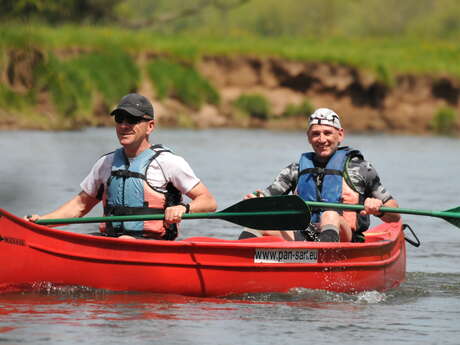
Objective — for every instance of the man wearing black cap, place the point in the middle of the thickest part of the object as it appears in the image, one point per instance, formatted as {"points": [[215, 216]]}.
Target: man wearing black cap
{"points": [[138, 179], [331, 174]]}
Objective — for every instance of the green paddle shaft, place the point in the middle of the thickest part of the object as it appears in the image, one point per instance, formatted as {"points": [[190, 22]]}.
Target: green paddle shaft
{"points": [[287, 212], [452, 215], [217, 215]]}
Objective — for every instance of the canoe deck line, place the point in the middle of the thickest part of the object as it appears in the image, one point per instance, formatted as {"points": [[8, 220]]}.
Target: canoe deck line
{"points": [[197, 266]]}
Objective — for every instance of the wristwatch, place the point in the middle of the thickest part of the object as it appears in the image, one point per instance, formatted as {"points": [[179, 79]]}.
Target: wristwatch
{"points": [[187, 207]]}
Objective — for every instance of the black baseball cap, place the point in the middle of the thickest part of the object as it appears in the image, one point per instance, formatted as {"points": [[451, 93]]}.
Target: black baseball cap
{"points": [[135, 105]]}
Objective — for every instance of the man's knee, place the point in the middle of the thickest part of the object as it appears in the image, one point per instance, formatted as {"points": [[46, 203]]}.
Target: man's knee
{"points": [[330, 217]]}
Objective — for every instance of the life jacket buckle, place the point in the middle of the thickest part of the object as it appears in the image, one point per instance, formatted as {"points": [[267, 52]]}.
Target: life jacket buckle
{"points": [[320, 171]]}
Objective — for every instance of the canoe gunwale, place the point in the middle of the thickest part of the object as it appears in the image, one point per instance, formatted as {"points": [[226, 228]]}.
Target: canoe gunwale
{"points": [[89, 239]]}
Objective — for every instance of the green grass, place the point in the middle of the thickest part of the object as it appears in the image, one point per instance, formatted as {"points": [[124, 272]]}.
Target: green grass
{"points": [[444, 121], [112, 72], [184, 83], [254, 105], [15, 36], [11, 100], [73, 82], [383, 56], [303, 109]]}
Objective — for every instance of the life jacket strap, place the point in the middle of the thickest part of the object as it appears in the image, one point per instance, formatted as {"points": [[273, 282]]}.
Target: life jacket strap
{"points": [[320, 171], [130, 211], [127, 173], [136, 234]]}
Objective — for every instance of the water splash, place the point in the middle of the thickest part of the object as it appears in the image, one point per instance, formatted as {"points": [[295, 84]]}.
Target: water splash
{"points": [[371, 297], [315, 297], [76, 291]]}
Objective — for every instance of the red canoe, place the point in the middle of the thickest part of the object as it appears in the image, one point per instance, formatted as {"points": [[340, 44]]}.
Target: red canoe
{"points": [[32, 254]]}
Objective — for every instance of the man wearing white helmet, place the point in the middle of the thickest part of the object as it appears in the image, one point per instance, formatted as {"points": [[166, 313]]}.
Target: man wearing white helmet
{"points": [[331, 173]]}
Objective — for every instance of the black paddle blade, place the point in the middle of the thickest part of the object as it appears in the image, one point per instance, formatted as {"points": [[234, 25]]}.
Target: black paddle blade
{"points": [[452, 220], [287, 212]]}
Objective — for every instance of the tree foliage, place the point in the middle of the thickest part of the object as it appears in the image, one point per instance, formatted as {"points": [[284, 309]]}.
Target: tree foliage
{"points": [[351, 18], [307, 18], [141, 13], [59, 11]]}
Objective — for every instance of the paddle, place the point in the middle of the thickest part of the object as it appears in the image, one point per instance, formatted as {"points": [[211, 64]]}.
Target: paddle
{"points": [[287, 212], [452, 216]]}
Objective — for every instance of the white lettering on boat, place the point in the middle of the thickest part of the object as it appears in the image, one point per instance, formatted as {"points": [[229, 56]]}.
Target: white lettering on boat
{"points": [[281, 256]]}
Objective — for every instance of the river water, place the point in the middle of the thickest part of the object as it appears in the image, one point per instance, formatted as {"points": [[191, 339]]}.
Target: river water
{"points": [[41, 170]]}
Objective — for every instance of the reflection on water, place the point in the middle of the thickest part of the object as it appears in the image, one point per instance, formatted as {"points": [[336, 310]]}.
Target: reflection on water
{"points": [[41, 170], [55, 309], [66, 312]]}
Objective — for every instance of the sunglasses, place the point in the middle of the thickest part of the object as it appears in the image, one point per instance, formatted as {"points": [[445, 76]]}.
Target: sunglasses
{"points": [[132, 120]]}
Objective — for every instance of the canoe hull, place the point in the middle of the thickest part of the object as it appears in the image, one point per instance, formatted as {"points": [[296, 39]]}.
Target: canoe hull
{"points": [[34, 254]]}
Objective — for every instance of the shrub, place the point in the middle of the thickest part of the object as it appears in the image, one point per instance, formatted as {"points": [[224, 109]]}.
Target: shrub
{"points": [[15, 101], [303, 109], [113, 73], [255, 105], [384, 75], [73, 82], [181, 82], [444, 120]]}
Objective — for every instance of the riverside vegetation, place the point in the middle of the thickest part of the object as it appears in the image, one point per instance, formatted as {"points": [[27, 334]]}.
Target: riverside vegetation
{"points": [[69, 76]]}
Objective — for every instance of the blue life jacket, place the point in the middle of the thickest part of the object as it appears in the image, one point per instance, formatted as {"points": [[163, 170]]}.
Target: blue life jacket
{"points": [[128, 193], [332, 178]]}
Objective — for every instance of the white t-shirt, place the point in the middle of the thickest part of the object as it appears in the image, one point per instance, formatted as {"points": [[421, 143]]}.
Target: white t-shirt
{"points": [[165, 168]]}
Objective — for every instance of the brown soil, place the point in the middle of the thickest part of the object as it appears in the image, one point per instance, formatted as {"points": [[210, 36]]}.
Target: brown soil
{"points": [[364, 103], [18, 72]]}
